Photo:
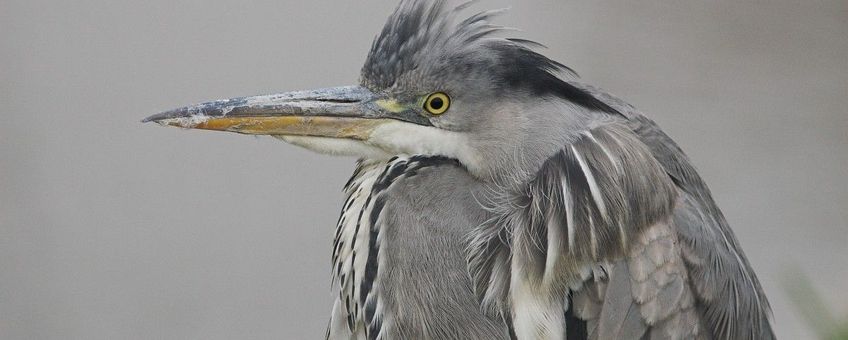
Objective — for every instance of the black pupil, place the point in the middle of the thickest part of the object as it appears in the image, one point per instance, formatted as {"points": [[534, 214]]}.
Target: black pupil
{"points": [[437, 103]]}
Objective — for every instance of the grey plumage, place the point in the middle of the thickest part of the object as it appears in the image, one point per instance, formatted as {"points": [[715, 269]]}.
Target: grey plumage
{"points": [[530, 208], [425, 45], [713, 257]]}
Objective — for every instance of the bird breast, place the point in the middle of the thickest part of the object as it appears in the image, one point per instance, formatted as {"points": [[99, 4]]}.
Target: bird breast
{"points": [[352, 245]]}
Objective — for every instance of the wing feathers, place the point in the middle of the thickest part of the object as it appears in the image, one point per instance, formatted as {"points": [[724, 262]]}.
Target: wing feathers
{"points": [[622, 195], [646, 294], [729, 294], [620, 317], [582, 209]]}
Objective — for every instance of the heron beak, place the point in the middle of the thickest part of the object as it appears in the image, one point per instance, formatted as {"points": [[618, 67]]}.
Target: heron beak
{"points": [[350, 112]]}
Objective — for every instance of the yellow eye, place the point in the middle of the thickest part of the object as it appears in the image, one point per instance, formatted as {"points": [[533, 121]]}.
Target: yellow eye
{"points": [[437, 103]]}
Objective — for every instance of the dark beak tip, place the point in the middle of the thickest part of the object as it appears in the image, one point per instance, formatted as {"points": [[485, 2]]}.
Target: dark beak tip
{"points": [[155, 118], [177, 113]]}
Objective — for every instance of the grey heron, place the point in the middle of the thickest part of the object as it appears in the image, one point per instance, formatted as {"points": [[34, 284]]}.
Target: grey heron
{"points": [[495, 199]]}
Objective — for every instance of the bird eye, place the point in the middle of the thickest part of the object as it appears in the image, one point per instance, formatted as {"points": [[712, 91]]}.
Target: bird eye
{"points": [[437, 103]]}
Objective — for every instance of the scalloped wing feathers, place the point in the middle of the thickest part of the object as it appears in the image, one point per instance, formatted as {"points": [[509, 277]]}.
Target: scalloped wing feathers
{"points": [[620, 221], [588, 205], [730, 298]]}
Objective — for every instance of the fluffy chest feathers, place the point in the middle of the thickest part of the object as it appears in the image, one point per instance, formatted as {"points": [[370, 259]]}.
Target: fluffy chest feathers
{"points": [[399, 256], [360, 245], [351, 248]]}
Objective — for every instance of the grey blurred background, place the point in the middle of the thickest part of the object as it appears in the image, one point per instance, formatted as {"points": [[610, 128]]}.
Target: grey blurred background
{"points": [[110, 229]]}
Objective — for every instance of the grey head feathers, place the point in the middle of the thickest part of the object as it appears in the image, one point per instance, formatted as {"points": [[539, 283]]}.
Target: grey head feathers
{"points": [[424, 46]]}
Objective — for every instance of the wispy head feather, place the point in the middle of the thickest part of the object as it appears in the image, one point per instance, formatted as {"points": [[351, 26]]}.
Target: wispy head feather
{"points": [[426, 44]]}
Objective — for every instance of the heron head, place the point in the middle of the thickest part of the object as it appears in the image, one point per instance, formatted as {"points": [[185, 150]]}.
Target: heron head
{"points": [[434, 83]]}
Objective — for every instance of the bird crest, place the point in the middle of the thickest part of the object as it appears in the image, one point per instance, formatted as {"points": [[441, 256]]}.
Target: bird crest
{"points": [[428, 45]]}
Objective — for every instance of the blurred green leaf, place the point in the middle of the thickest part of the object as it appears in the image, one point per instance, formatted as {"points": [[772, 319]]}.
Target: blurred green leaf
{"points": [[812, 308], [841, 334]]}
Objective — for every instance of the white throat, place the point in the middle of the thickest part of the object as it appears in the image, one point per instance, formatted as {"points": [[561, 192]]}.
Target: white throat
{"points": [[397, 138]]}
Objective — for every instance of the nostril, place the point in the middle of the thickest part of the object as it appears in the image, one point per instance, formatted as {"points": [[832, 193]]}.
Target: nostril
{"points": [[340, 101]]}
